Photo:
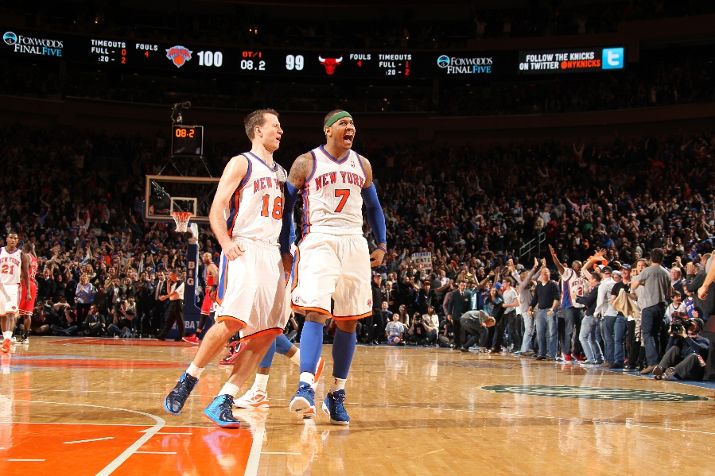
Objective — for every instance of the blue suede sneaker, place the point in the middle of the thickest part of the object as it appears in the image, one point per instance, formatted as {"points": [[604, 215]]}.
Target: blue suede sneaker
{"points": [[219, 411], [303, 402], [174, 402], [334, 407]]}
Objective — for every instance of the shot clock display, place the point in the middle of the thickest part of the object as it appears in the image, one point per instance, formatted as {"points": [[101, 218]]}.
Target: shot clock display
{"points": [[187, 141]]}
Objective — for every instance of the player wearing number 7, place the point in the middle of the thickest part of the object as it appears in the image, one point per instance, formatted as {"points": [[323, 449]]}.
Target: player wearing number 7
{"points": [[332, 259]]}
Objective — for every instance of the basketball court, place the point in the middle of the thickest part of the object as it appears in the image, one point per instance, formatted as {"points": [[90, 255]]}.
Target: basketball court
{"points": [[94, 406]]}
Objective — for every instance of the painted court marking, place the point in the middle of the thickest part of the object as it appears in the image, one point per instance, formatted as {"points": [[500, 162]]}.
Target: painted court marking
{"points": [[254, 456], [119, 460], [88, 441], [155, 452], [25, 460]]}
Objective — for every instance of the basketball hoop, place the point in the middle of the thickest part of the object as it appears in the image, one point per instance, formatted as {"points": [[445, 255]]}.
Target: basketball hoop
{"points": [[182, 220]]}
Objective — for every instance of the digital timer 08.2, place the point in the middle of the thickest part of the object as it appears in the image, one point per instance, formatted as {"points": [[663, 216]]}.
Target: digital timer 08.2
{"points": [[187, 141]]}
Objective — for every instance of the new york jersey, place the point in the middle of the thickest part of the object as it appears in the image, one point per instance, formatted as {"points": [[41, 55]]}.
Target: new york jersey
{"points": [[256, 206], [332, 200], [10, 266]]}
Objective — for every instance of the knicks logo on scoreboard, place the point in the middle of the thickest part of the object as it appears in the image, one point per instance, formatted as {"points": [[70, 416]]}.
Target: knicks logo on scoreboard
{"points": [[178, 55]]}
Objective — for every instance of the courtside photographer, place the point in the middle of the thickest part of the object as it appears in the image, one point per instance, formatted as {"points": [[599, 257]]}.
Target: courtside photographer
{"points": [[686, 357]]}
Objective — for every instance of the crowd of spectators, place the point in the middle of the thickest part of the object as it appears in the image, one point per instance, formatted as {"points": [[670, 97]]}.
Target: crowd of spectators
{"points": [[415, 25], [78, 198]]}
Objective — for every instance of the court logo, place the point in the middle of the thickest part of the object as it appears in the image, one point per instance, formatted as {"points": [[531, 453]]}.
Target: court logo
{"points": [[593, 393], [612, 58], [178, 55], [9, 38]]}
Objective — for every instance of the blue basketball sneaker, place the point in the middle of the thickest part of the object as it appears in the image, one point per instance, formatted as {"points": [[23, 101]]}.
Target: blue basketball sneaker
{"points": [[219, 411], [303, 401], [334, 407], [174, 402]]}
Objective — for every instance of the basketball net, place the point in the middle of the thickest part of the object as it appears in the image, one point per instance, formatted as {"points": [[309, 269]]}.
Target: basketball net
{"points": [[182, 220]]}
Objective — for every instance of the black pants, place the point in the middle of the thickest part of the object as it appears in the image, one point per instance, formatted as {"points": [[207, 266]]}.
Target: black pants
{"points": [[82, 311], [175, 314], [158, 317], [687, 369], [516, 333], [378, 327], [499, 329], [633, 347]]}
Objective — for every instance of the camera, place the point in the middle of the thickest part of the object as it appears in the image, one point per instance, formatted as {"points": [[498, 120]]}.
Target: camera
{"points": [[679, 323]]}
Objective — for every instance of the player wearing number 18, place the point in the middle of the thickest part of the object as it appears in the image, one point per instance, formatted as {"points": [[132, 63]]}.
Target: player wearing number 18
{"points": [[332, 259], [252, 283]]}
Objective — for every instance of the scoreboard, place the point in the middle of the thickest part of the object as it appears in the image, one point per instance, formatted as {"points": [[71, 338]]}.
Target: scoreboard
{"points": [[186, 58]]}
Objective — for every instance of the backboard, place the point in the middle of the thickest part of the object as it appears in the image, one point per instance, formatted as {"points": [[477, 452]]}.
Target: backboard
{"points": [[167, 193]]}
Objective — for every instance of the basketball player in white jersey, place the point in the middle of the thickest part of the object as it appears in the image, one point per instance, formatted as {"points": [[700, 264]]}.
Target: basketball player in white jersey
{"points": [[14, 266], [332, 260], [252, 294]]}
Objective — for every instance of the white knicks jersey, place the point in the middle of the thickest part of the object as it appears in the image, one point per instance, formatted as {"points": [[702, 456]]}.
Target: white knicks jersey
{"points": [[10, 266], [332, 200], [256, 207]]}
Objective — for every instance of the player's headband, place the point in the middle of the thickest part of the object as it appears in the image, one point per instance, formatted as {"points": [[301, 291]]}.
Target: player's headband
{"points": [[336, 117]]}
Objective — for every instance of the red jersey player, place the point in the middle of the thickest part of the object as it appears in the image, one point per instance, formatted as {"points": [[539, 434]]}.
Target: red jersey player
{"points": [[27, 300], [211, 280]]}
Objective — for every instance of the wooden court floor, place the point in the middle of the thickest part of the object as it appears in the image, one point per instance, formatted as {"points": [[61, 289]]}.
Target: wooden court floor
{"points": [[94, 406]]}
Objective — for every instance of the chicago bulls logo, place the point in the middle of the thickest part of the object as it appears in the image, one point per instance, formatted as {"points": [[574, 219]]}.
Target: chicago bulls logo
{"points": [[178, 55], [330, 64]]}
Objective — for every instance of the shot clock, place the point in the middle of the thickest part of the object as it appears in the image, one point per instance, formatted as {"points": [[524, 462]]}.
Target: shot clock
{"points": [[187, 141]]}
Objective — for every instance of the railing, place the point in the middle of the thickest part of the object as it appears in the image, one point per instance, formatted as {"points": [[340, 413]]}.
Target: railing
{"points": [[532, 247]]}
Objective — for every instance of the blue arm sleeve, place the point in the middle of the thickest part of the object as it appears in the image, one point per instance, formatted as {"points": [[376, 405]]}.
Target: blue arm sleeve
{"points": [[287, 236], [375, 216]]}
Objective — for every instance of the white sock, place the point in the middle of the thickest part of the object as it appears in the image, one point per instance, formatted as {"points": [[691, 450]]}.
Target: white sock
{"points": [[261, 382], [229, 389], [194, 371], [307, 377], [338, 384], [296, 358], [7, 335]]}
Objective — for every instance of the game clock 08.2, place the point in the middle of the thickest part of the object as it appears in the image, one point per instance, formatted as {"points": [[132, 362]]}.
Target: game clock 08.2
{"points": [[187, 141]]}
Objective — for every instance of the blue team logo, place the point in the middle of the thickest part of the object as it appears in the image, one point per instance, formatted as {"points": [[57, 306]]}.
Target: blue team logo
{"points": [[443, 61], [613, 58], [9, 38]]}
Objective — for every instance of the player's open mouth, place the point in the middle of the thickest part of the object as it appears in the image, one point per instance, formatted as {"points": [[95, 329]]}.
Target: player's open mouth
{"points": [[348, 138]]}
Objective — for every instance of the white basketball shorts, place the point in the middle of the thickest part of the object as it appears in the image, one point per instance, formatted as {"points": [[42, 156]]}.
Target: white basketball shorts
{"points": [[252, 288], [337, 267], [9, 298]]}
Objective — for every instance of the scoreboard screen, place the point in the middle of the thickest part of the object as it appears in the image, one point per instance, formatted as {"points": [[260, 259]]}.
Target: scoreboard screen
{"points": [[186, 58]]}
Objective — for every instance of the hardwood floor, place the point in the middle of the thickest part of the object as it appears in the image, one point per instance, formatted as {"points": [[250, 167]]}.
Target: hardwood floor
{"points": [[94, 406]]}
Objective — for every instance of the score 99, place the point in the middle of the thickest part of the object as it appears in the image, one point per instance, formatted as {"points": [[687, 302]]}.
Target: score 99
{"points": [[294, 62]]}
